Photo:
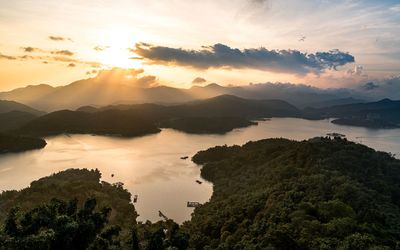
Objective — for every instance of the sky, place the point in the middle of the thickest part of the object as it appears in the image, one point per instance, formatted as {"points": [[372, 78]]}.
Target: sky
{"points": [[323, 43]]}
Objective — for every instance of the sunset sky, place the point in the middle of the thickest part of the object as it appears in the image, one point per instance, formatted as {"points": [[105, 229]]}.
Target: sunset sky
{"points": [[323, 43]]}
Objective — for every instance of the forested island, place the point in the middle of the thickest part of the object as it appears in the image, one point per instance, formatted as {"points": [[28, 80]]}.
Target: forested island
{"points": [[366, 123], [271, 194], [207, 125], [15, 143]]}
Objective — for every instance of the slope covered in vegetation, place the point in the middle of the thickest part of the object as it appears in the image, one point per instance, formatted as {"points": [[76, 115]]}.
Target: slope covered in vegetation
{"points": [[271, 194], [12, 143], [281, 194], [74, 184]]}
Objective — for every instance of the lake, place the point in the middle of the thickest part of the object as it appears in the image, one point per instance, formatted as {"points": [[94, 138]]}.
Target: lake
{"points": [[151, 166]]}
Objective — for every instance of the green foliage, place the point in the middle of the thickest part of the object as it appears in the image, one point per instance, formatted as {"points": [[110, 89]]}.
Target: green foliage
{"points": [[59, 225], [79, 184], [162, 235], [281, 194]]}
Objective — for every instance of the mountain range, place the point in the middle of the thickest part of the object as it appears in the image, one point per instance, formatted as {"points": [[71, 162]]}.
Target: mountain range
{"points": [[99, 91]]}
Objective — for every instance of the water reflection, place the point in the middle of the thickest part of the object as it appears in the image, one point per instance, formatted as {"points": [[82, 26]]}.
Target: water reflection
{"points": [[151, 166]]}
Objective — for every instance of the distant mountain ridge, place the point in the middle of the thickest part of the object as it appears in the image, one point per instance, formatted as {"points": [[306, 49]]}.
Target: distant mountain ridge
{"points": [[100, 92], [9, 106], [141, 119], [381, 114]]}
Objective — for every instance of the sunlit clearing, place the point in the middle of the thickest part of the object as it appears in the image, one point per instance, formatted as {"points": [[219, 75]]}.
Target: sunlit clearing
{"points": [[115, 53]]}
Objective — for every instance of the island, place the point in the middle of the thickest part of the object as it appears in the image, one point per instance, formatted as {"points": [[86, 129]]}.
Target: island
{"points": [[15, 143]]}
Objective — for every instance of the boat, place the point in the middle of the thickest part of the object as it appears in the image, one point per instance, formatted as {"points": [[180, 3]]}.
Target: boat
{"points": [[193, 204], [135, 198], [199, 182], [184, 157]]}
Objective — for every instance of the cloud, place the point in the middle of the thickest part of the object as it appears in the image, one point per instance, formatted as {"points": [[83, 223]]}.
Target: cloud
{"points": [[76, 61], [59, 38], [146, 81], [130, 77], [6, 57], [370, 86], [382, 88], [63, 52], [100, 48], [31, 49], [223, 56], [65, 56], [199, 80], [358, 71]]}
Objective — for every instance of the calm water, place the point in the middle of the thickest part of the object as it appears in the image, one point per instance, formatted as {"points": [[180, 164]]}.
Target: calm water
{"points": [[151, 167]]}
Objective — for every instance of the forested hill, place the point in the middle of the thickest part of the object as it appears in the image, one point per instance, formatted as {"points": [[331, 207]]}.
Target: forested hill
{"points": [[382, 114], [215, 115], [281, 194]]}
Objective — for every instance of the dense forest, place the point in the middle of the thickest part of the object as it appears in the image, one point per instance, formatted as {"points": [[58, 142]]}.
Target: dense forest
{"points": [[73, 209], [271, 194], [12, 143], [281, 194]]}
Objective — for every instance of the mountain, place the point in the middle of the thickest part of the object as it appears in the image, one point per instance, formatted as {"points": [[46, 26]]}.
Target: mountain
{"points": [[219, 106], [229, 105], [382, 114], [102, 91], [215, 115], [8, 106], [31, 95], [335, 102], [14, 120]]}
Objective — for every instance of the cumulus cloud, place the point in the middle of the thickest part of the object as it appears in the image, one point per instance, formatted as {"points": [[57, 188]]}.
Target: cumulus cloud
{"points": [[198, 80], [59, 38], [223, 56]]}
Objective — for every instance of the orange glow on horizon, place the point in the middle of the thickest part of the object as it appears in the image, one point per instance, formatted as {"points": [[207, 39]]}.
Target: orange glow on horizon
{"points": [[115, 51]]}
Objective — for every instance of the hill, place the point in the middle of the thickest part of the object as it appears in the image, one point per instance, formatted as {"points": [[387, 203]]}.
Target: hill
{"points": [[382, 114], [79, 184], [207, 125], [8, 106], [216, 115], [219, 106], [110, 122], [13, 144], [281, 194], [14, 120]]}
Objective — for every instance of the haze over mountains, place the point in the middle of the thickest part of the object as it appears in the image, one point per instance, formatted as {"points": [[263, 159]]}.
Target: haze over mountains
{"points": [[104, 90]]}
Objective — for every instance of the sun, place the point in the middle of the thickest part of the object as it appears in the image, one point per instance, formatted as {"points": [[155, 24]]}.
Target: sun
{"points": [[114, 49]]}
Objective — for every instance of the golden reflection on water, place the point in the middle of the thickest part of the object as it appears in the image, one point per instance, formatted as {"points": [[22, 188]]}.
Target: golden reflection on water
{"points": [[151, 167]]}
